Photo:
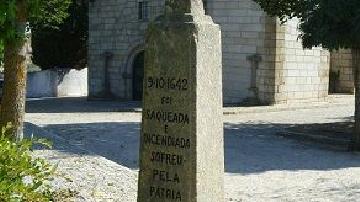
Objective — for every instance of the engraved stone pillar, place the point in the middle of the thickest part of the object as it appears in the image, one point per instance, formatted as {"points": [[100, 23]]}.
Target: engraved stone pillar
{"points": [[181, 151]]}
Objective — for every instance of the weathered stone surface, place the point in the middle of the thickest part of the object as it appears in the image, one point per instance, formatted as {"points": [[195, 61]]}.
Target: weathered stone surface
{"points": [[286, 73], [341, 72], [181, 151]]}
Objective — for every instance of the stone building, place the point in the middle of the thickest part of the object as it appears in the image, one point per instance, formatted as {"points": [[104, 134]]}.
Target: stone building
{"points": [[263, 61], [341, 72]]}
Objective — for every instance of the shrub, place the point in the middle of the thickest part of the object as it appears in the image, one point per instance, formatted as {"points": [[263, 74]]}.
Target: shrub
{"points": [[22, 178]]}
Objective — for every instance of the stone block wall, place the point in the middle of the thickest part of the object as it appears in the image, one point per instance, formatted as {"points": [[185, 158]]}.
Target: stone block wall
{"points": [[115, 28], [262, 60], [304, 73], [243, 26], [115, 36], [270, 67], [341, 72]]}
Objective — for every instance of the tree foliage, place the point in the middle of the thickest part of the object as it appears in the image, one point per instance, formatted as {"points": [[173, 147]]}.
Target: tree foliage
{"points": [[46, 12], [332, 24], [14, 17], [64, 46]]}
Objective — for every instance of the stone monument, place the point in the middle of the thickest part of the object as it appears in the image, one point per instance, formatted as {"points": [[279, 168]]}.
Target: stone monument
{"points": [[181, 151]]}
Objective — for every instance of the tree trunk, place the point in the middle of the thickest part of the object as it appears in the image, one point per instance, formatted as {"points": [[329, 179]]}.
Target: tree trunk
{"points": [[355, 143], [14, 92]]}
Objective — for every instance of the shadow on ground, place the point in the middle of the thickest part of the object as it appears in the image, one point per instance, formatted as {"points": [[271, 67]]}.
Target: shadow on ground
{"points": [[249, 148], [253, 148], [77, 104]]}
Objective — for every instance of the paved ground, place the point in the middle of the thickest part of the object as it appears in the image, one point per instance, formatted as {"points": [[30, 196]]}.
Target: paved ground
{"points": [[97, 151]]}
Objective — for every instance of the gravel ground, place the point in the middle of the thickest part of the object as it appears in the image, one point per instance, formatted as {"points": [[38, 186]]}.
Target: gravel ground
{"points": [[97, 156]]}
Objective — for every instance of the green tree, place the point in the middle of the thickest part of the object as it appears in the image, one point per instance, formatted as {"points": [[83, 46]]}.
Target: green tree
{"points": [[14, 17], [66, 45], [331, 24]]}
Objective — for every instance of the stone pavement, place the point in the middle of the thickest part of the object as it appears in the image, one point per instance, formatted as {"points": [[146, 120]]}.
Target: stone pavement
{"points": [[80, 104], [332, 101], [97, 155]]}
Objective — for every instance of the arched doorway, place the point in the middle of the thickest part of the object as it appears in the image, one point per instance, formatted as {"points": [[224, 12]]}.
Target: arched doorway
{"points": [[138, 76]]}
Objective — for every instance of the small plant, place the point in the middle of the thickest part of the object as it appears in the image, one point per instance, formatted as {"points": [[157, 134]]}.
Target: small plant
{"points": [[23, 178]]}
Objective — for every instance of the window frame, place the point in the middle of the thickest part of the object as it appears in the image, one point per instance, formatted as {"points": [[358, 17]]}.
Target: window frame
{"points": [[143, 10]]}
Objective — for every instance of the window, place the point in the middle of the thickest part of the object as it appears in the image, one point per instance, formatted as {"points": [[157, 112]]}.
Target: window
{"points": [[143, 10], [205, 3]]}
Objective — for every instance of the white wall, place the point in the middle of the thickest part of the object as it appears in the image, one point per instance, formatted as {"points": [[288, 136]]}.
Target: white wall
{"points": [[57, 83]]}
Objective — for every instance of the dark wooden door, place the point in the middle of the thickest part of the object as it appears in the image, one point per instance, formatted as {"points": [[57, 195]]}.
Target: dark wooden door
{"points": [[138, 76]]}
